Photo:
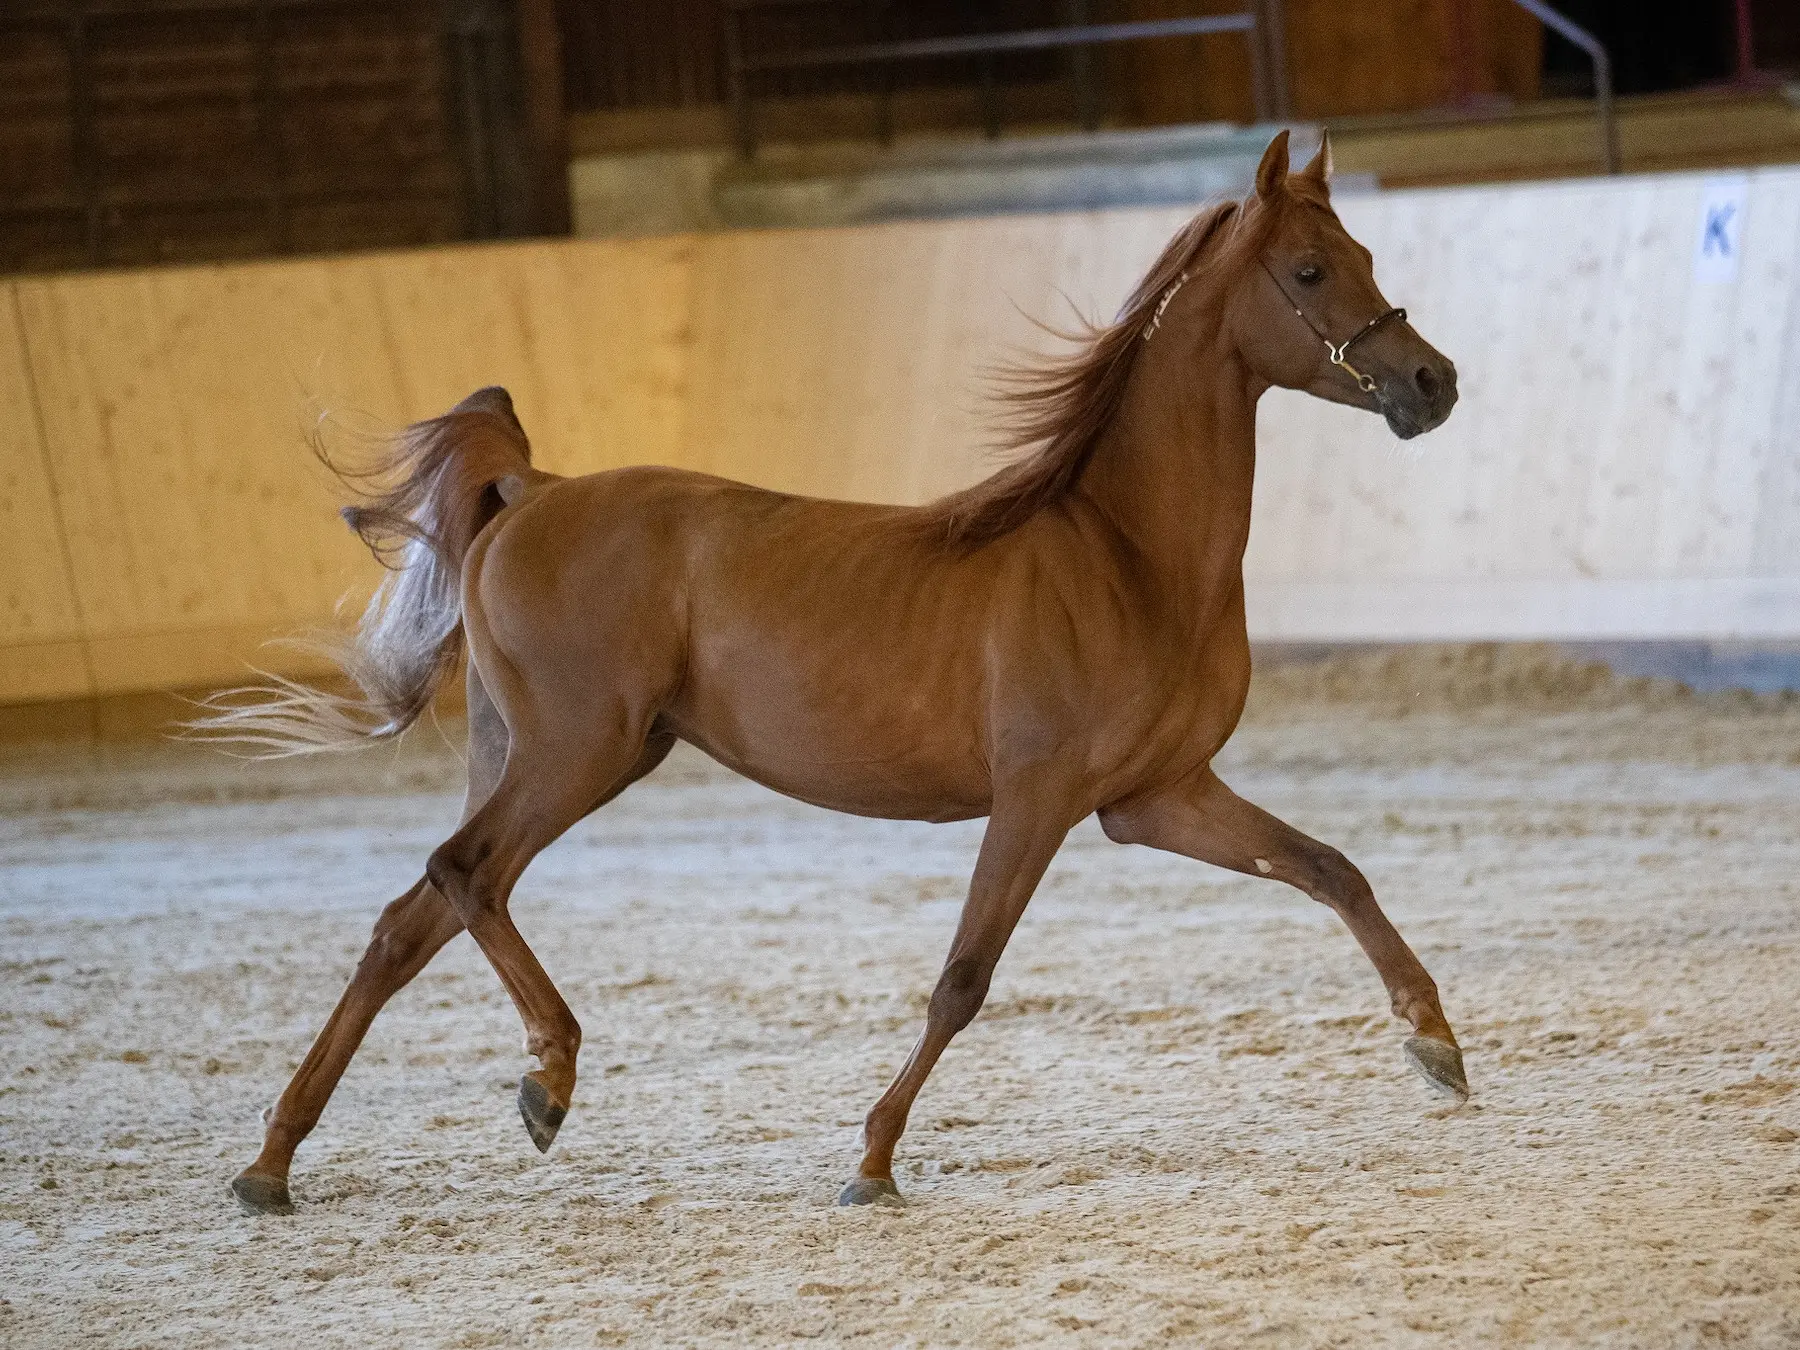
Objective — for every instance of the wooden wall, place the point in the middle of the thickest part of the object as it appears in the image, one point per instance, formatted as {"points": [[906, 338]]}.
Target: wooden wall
{"points": [[1343, 60], [623, 59], [152, 131], [1623, 462]]}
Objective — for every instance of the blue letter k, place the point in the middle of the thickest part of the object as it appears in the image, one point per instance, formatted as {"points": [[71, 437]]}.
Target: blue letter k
{"points": [[1717, 239]]}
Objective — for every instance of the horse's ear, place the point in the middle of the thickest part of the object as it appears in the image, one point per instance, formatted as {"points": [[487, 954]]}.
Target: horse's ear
{"points": [[1318, 168], [1272, 172]]}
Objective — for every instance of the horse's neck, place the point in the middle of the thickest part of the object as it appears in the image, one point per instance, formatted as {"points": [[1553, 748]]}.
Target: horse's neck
{"points": [[1174, 471]]}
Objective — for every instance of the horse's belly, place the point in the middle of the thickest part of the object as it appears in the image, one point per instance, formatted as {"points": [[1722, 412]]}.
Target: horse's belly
{"points": [[894, 759], [889, 797]]}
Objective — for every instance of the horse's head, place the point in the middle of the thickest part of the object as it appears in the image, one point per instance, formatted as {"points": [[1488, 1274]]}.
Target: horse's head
{"points": [[1308, 314]]}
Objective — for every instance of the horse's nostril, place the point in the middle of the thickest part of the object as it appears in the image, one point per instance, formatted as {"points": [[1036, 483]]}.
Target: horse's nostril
{"points": [[1427, 382]]}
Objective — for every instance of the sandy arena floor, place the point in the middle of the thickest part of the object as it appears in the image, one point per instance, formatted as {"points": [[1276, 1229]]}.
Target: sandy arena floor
{"points": [[1183, 1118]]}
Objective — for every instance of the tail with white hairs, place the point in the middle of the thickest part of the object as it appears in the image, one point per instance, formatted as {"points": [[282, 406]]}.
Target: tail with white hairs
{"points": [[420, 507]]}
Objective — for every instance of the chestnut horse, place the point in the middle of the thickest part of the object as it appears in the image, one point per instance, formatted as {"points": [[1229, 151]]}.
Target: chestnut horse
{"points": [[1064, 639]]}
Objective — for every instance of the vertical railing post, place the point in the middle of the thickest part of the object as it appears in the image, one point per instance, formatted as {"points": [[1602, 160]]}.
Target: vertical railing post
{"points": [[84, 152], [1603, 97], [467, 35], [268, 127], [1603, 82], [1271, 32], [879, 19], [1082, 66], [1261, 93], [736, 82], [1746, 43]]}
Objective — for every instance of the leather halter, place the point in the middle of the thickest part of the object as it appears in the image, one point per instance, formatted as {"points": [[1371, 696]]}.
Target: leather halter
{"points": [[1366, 383], [1336, 350]]}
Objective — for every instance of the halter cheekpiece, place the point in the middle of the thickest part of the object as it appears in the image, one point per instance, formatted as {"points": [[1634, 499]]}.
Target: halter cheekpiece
{"points": [[1366, 383]]}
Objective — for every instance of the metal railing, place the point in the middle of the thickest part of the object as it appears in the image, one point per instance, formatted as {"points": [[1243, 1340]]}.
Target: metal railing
{"points": [[1603, 86], [1268, 78]]}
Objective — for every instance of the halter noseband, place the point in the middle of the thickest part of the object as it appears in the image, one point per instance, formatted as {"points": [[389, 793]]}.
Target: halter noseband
{"points": [[1366, 383]]}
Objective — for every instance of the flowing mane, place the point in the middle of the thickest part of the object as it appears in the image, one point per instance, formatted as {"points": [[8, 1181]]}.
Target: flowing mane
{"points": [[1059, 406]]}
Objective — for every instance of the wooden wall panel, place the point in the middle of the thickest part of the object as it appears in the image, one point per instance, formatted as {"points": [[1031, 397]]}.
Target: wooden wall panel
{"points": [[1622, 463], [851, 362], [1617, 417], [863, 363], [175, 437], [41, 654], [176, 405], [140, 132], [590, 337]]}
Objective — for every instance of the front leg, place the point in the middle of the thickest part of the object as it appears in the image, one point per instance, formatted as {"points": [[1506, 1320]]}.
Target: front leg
{"points": [[1204, 819], [1023, 834]]}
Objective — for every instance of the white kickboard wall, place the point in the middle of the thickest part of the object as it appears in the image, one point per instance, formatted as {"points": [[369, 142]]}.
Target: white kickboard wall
{"points": [[1624, 463]]}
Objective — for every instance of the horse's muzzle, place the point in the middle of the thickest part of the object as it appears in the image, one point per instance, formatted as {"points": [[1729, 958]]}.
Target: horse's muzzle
{"points": [[1419, 403]]}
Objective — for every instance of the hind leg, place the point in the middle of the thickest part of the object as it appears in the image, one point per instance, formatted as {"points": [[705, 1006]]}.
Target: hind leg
{"points": [[409, 933], [556, 773]]}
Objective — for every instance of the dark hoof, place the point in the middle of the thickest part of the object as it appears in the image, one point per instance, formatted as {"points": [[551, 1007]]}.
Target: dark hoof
{"points": [[258, 1193], [871, 1191], [543, 1117], [1440, 1064]]}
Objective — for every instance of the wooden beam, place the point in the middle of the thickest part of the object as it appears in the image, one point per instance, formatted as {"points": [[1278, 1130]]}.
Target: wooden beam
{"points": [[546, 121]]}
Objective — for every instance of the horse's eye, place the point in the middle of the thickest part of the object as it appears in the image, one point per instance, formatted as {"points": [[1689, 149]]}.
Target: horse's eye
{"points": [[1310, 275]]}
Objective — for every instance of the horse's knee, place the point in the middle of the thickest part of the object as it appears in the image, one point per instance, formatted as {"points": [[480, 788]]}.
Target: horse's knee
{"points": [[960, 992], [398, 933], [386, 951]]}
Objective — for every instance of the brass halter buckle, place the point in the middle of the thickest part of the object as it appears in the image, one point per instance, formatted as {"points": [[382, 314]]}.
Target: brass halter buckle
{"points": [[1366, 383]]}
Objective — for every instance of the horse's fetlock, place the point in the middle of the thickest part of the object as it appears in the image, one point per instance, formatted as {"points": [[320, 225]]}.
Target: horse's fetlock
{"points": [[1419, 1006], [878, 1124], [562, 1043], [282, 1131]]}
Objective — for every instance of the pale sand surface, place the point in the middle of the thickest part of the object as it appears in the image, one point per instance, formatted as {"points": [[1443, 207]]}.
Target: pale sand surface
{"points": [[1183, 1119]]}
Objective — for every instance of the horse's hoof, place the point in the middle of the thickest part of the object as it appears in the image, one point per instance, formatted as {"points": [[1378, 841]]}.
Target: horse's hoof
{"points": [[543, 1117], [871, 1191], [1440, 1064], [259, 1193]]}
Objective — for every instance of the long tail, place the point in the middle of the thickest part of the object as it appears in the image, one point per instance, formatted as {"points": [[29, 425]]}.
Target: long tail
{"points": [[419, 507]]}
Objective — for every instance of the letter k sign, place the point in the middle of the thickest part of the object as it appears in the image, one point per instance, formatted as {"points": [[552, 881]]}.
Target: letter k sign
{"points": [[1721, 235], [1717, 239]]}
